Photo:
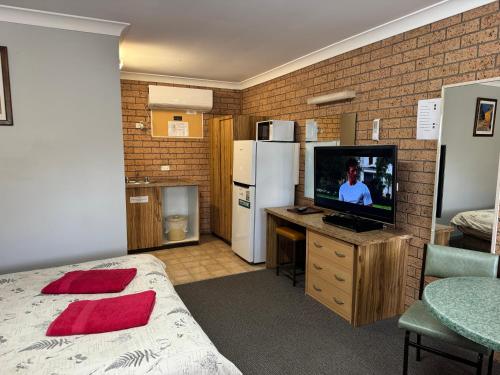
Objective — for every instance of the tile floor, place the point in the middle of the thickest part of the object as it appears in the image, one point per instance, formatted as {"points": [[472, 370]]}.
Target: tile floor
{"points": [[210, 259]]}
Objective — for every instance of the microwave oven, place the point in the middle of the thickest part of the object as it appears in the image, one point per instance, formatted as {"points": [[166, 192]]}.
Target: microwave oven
{"points": [[275, 131]]}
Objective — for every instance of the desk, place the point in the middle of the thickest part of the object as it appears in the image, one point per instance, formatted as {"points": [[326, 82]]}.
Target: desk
{"points": [[442, 234], [359, 276], [469, 306]]}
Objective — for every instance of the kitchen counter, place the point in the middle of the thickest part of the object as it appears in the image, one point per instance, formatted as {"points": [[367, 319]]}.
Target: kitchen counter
{"points": [[164, 182], [150, 204]]}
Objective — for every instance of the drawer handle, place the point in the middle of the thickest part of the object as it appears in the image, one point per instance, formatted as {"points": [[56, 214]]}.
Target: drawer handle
{"points": [[317, 245], [339, 278], [317, 267], [337, 301], [340, 255], [316, 288]]}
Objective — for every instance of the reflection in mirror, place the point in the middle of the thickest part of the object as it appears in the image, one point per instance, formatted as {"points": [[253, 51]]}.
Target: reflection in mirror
{"points": [[467, 169], [332, 130]]}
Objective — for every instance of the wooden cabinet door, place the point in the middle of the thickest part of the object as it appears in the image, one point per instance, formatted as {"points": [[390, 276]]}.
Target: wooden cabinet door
{"points": [[244, 127], [226, 178], [215, 184], [222, 132], [144, 217]]}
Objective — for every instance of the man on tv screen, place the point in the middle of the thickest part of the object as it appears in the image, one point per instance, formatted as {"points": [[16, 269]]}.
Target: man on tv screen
{"points": [[354, 191]]}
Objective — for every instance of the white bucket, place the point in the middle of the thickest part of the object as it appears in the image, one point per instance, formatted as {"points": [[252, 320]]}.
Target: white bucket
{"points": [[176, 227]]}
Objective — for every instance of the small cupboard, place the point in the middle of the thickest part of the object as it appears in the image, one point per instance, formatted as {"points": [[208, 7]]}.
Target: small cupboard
{"points": [[156, 208]]}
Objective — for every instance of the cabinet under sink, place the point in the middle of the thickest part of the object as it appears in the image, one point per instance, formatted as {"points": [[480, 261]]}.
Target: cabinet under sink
{"points": [[149, 206]]}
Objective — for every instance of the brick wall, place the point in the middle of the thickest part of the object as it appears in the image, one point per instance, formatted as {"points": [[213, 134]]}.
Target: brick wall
{"points": [[389, 77], [187, 158]]}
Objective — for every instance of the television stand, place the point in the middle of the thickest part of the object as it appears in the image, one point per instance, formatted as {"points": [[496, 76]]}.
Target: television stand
{"points": [[352, 222]]}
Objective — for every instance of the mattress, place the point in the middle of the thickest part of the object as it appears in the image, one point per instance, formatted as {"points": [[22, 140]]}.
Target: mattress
{"points": [[477, 223], [171, 343]]}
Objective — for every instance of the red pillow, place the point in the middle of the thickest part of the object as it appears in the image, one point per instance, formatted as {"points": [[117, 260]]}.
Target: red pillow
{"points": [[104, 315], [92, 281]]}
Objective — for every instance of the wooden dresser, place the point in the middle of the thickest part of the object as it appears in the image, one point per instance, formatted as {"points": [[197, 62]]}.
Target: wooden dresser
{"points": [[359, 276]]}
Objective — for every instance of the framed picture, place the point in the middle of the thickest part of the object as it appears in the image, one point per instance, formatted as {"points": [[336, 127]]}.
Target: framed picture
{"points": [[484, 120], [5, 101]]}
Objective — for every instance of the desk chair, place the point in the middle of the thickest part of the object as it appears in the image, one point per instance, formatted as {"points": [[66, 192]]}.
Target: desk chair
{"points": [[441, 262], [298, 241]]}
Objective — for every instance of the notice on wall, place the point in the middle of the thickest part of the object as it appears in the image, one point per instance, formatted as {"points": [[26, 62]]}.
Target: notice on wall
{"points": [[178, 129], [140, 199], [428, 118]]}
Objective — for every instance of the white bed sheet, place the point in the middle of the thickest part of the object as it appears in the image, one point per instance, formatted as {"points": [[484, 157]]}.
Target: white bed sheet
{"points": [[171, 343]]}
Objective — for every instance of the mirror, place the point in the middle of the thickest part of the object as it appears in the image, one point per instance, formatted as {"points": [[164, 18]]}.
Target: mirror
{"points": [[467, 168]]}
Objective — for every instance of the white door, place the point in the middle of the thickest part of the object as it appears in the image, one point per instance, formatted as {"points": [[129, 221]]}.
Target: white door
{"points": [[274, 184], [242, 241], [244, 162]]}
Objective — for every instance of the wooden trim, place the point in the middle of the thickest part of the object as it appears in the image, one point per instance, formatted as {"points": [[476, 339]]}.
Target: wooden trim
{"points": [[422, 274], [161, 117], [6, 87]]}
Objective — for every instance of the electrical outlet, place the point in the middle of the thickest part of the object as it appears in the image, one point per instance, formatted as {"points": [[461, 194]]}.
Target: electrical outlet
{"points": [[376, 130], [139, 125], [165, 168]]}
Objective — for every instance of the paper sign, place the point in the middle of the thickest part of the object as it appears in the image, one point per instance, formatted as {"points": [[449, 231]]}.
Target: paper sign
{"points": [[311, 131], [178, 129], [140, 199], [428, 118]]}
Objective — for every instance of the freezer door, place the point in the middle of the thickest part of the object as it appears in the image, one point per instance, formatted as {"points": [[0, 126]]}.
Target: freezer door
{"points": [[242, 241], [244, 162]]}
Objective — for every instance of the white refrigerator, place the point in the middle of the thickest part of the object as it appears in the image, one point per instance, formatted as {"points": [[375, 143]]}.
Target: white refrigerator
{"points": [[264, 175]]}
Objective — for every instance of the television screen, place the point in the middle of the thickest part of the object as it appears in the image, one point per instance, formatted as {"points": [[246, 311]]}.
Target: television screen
{"points": [[359, 180]]}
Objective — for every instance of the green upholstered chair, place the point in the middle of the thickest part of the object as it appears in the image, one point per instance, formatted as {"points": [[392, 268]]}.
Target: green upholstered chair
{"points": [[443, 261]]}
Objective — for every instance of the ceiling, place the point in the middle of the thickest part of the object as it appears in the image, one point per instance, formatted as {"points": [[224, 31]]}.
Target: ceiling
{"points": [[228, 40]]}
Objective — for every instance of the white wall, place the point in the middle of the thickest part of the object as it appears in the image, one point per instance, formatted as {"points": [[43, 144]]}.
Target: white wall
{"points": [[471, 162], [62, 196]]}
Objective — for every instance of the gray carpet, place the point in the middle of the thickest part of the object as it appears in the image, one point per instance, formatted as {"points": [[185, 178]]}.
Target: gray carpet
{"points": [[265, 326]]}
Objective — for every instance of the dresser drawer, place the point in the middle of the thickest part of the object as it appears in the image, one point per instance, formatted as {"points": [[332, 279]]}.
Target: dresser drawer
{"points": [[339, 252], [330, 271], [326, 293]]}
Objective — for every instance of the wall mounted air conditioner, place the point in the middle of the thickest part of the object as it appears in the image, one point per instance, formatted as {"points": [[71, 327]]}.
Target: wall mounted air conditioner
{"points": [[180, 98]]}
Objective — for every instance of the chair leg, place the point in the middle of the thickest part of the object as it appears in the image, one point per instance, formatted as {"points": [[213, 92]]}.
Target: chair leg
{"points": [[405, 355], [419, 341], [479, 367], [294, 260], [490, 363], [278, 256]]}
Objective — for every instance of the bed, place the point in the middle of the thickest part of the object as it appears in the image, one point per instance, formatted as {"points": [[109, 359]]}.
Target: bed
{"points": [[476, 227], [171, 343]]}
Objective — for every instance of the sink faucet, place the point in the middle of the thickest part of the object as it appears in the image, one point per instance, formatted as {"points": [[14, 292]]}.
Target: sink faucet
{"points": [[146, 179]]}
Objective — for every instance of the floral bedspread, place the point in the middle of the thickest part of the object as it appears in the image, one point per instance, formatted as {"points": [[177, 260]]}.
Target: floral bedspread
{"points": [[171, 343]]}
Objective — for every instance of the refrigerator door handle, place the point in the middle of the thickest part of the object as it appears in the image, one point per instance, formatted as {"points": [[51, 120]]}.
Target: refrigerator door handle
{"points": [[296, 162]]}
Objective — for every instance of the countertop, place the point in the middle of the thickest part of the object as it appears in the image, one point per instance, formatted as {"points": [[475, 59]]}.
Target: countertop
{"points": [[315, 223], [164, 182]]}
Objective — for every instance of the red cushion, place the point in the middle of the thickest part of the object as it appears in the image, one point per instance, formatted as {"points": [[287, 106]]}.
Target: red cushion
{"points": [[92, 281], [104, 315]]}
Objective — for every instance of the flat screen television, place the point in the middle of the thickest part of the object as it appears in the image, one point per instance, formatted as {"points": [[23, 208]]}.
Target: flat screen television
{"points": [[357, 180]]}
